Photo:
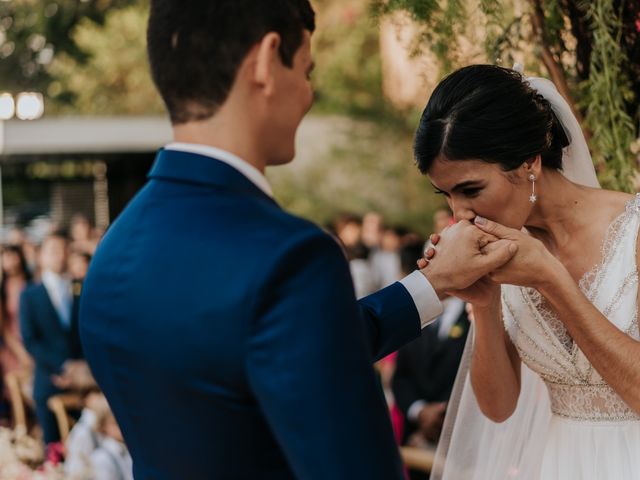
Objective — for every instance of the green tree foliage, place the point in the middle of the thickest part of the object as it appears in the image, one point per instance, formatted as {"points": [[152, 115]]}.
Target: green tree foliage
{"points": [[99, 67], [114, 77], [33, 32], [359, 165], [346, 46], [590, 49], [610, 98], [355, 166], [443, 22]]}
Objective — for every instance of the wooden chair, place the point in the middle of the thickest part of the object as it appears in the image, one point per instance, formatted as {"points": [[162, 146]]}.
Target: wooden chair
{"points": [[61, 405], [19, 400], [418, 459]]}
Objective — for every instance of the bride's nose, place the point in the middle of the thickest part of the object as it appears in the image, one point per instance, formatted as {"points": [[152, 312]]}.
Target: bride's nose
{"points": [[461, 212]]}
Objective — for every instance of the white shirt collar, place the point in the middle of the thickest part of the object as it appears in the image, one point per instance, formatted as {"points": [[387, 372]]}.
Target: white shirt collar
{"points": [[249, 171], [53, 280]]}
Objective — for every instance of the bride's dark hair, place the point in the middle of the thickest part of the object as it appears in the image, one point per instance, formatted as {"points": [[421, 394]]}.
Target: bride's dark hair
{"points": [[486, 112]]}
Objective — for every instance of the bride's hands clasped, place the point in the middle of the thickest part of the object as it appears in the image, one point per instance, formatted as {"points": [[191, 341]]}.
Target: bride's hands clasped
{"points": [[465, 256], [532, 266]]}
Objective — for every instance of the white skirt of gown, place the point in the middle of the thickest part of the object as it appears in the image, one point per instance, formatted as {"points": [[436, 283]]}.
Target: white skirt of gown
{"points": [[583, 450]]}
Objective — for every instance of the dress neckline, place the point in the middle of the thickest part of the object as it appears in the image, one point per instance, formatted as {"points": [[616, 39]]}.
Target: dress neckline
{"points": [[590, 280]]}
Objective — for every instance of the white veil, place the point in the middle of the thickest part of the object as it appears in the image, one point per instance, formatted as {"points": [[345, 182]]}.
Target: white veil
{"points": [[472, 447]]}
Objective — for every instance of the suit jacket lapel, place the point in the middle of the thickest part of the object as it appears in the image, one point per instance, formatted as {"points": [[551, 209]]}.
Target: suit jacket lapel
{"points": [[47, 305], [197, 169]]}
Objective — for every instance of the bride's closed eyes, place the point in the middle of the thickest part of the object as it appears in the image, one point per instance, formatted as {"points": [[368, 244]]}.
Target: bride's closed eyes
{"points": [[470, 192]]}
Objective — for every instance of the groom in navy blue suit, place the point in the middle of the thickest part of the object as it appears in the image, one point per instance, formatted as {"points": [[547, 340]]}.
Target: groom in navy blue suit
{"points": [[224, 331]]}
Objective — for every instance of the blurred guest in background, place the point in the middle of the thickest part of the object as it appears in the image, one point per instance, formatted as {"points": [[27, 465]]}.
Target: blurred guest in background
{"points": [[18, 237], [426, 368], [372, 225], [83, 238], [49, 328], [385, 262], [14, 358], [348, 229], [360, 268], [78, 267], [442, 218], [15, 278]]}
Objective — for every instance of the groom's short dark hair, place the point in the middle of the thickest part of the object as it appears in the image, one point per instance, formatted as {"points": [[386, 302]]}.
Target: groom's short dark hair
{"points": [[196, 46]]}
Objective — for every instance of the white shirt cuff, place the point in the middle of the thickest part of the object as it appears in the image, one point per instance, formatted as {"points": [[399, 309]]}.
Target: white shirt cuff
{"points": [[414, 410], [424, 296]]}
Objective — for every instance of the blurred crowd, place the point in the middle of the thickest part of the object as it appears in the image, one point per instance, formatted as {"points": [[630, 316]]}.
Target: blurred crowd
{"points": [[48, 392], [418, 379], [379, 254]]}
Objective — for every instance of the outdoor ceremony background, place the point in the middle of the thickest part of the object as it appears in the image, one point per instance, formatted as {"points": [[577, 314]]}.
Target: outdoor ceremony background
{"points": [[377, 63]]}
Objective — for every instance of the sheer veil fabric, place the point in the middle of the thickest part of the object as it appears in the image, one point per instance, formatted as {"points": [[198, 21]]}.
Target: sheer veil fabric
{"points": [[472, 447]]}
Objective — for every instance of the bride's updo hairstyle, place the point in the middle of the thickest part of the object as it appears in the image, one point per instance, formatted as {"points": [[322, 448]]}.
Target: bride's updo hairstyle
{"points": [[489, 113]]}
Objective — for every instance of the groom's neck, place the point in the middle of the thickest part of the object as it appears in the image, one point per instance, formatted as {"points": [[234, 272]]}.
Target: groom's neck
{"points": [[227, 131]]}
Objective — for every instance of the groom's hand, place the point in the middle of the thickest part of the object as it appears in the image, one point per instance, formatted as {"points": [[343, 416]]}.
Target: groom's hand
{"points": [[463, 258]]}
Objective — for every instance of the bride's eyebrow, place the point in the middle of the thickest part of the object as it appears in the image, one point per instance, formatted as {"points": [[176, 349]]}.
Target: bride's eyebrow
{"points": [[467, 184]]}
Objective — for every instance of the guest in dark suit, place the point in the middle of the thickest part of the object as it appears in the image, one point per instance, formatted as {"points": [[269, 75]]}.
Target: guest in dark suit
{"points": [[426, 368], [49, 328], [223, 330]]}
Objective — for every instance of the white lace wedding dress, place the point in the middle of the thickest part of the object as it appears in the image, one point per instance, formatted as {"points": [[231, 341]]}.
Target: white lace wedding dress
{"points": [[569, 424], [592, 434]]}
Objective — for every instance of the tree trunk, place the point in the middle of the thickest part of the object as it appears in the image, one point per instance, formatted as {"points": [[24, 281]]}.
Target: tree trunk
{"points": [[550, 62]]}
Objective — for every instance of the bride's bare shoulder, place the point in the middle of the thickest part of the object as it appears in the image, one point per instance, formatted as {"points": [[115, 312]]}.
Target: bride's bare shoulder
{"points": [[613, 202]]}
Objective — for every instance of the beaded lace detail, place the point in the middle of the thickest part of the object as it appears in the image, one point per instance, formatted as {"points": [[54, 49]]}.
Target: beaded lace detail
{"points": [[576, 390], [589, 402]]}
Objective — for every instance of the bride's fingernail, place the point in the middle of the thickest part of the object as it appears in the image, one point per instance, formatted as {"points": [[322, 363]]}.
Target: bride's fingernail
{"points": [[480, 220]]}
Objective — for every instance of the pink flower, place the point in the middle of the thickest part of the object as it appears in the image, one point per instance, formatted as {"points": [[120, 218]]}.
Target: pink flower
{"points": [[55, 453], [638, 24]]}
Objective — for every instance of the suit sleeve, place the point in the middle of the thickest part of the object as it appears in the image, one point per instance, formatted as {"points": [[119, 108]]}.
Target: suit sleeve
{"points": [[309, 365], [390, 319], [34, 338]]}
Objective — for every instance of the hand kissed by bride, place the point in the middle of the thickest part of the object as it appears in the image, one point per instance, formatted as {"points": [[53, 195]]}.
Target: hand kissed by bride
{"points": [[532, 265]]}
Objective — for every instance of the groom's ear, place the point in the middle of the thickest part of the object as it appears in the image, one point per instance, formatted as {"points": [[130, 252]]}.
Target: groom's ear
{"points": [[267, 60]]}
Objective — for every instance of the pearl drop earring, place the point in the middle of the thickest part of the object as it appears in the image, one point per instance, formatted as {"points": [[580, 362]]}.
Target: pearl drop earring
{"points": [[533, 198]]}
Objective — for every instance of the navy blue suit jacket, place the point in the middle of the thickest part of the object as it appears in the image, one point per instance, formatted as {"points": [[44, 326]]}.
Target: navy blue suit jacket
{"points": [[45, 338], [227, 338]]}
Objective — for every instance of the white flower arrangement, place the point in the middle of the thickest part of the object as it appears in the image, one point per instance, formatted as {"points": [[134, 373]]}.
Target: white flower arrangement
{"points": [[21, 458]]}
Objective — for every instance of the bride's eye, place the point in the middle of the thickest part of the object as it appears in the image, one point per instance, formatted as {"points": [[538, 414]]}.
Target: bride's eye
{"points": [[471, 192], [440, 192]]}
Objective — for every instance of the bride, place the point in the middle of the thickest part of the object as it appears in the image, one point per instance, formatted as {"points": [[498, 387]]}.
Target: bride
{"points": [[549, 387]]}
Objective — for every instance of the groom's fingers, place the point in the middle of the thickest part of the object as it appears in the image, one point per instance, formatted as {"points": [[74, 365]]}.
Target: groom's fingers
{"points": [[485, 239], [495, 229], [492, 246], [498, 253]]}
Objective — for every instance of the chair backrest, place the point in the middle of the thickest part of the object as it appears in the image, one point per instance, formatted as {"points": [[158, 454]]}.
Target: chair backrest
{"points": [[18, 400], [60, 405]]}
